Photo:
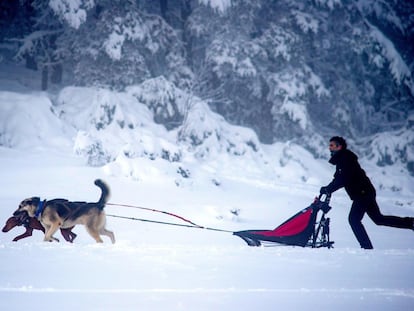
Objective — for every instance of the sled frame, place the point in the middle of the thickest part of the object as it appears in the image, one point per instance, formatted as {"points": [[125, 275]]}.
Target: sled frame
{"points": [[319, 235]]}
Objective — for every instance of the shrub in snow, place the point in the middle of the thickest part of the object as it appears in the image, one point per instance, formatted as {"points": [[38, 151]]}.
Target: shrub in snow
{"points": [[114, 122], [167, 102], [393, 148], [116, 126], [91, 148], [28, 121]]}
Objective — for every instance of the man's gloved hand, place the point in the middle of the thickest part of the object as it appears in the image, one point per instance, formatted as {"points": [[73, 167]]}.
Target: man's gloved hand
{"points": [[324, 190]]}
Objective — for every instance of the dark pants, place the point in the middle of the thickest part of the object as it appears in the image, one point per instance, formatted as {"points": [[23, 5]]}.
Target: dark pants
{"points": [[369, 205]]}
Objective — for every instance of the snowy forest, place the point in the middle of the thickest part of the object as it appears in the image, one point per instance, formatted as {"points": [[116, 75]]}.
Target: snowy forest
{"points": [[290, 70]]}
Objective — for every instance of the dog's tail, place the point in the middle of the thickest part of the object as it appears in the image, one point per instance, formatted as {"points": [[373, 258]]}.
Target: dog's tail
{"points": [[104, 195]]}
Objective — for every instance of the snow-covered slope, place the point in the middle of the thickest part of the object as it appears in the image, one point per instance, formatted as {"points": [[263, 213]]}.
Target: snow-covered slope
{"points": [[206, 170]]}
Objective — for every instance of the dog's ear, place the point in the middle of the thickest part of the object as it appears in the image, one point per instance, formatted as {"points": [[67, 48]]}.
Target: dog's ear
{"points": [[30, 201], [35, 201]]}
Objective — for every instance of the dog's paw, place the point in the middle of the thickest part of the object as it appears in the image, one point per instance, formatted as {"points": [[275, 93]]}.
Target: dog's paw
{"points": [[51, 239]]}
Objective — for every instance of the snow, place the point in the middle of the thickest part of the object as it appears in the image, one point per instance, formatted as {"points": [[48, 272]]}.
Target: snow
{"points": [[71, 11], [229, 182], [296, 112], [397, 66], [306, 22], [331, 4], [155, 267], [219, 5], [34, 120], [113, 46]]}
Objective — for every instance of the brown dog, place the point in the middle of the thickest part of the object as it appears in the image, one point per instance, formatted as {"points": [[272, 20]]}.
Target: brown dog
{"points": [[30, 224], [61, 213]]}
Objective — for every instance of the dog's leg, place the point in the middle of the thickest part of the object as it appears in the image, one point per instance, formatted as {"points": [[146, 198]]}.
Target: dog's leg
{"points": [[28, 232], [50, 231], [109, 234], [68, 234], [72, 235], [35, 224], [95, 234], [65, 234]]}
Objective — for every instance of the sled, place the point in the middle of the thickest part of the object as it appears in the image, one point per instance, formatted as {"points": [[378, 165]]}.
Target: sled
{"points": [[303, 229]]}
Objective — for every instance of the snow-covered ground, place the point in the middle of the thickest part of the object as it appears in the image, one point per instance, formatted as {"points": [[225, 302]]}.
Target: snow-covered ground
{"points": [[161, 267], [46, 143]]}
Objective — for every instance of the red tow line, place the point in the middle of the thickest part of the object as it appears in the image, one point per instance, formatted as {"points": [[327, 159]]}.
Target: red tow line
{"points": [[157, 211]]}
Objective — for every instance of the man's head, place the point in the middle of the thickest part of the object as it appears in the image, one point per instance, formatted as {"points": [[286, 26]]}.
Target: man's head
{"points": [[336, 143]]}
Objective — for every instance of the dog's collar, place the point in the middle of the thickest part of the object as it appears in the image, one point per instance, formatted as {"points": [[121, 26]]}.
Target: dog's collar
{"points": [[40, 208]]}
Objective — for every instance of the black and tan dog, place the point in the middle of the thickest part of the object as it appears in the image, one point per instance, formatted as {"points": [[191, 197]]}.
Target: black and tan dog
{"points": [[61, 213]]}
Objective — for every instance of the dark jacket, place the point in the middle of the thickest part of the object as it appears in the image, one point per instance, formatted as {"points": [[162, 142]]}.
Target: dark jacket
{"points": [[350, 175]]}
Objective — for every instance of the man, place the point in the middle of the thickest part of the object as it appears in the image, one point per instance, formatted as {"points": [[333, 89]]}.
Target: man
{"points": [[350, 175]]}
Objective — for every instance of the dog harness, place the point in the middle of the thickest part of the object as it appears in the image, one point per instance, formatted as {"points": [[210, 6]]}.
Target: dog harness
{"points": [[40, 208]]}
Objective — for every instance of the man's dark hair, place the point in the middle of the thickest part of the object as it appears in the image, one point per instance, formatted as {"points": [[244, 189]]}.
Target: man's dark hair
{"points": [[340, 141]]}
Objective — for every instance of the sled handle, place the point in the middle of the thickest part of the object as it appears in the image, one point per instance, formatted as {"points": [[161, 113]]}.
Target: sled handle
{"points": [[327, 198]]}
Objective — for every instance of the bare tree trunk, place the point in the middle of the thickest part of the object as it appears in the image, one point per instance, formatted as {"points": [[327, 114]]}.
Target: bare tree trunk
{"points": [[56, 75], [185, 13], [30, 62], [45, 77], [164, 9]]}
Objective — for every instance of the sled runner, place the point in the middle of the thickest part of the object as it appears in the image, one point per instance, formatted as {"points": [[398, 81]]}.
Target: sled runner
{"points": [[303, 229]]}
